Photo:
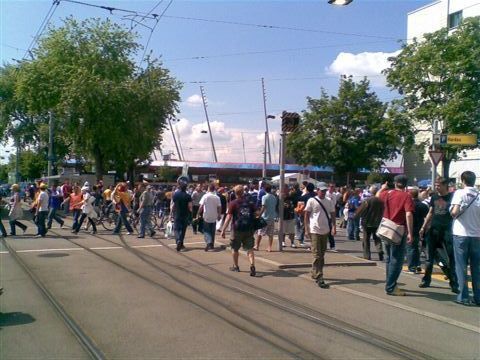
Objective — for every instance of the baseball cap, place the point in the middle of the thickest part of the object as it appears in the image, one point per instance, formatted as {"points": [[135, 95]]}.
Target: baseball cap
{"points": [[322, 186]]}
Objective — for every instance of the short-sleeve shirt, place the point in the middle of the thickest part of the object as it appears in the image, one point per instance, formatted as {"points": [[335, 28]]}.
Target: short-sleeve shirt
{"points": [[468, 223], [210, 202], [319, 223], [269, 201], [397, 203], [441, 214], [146, 198], [43, 201], [181, 200], [234, 205]]}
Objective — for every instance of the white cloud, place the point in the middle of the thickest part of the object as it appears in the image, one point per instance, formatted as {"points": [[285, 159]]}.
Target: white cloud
{"points": [[228, 142], [369, 64], [194, 101]]}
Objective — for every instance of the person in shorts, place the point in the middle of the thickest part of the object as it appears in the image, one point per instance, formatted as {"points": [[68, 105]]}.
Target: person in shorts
{"points": [[269, 213], [241, 213]]}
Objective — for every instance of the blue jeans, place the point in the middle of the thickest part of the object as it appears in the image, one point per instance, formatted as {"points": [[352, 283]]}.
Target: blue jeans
{"points": [[180, 228], [122, 218], [299, 228], [465, 249], [353, 229], [394, 263], [52, 215], [76, 216], [145, 223], [209, 232], [41, 217], [413, 253]]}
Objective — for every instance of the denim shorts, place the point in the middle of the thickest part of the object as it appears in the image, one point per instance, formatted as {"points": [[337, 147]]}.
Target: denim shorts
{"points": [[242, 238]]}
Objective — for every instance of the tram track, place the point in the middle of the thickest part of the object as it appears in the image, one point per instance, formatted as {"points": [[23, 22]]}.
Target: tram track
{"points": [[85, 341], [293, 350], [271, 299]]}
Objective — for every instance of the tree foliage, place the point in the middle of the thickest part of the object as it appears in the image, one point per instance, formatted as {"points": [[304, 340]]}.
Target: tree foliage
{"points": [[107, 108], [350, 131], [439, 78]]}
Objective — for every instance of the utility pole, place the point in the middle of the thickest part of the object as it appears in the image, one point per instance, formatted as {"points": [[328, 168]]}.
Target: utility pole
{"points": [[174, 138], [243, 144], [266, 123], [208, 123], [290, 122], [17, 161], [264, 167]]}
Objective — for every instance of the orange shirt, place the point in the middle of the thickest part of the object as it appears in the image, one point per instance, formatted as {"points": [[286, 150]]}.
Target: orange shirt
{"points": [[75, 201]]}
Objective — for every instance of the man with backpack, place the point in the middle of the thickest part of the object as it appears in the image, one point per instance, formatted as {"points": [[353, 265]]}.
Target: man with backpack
{"points": [[319, 223], [241, 213]]}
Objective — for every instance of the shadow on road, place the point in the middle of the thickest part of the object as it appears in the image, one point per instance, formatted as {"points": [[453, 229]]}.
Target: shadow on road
{"points": [[15, 318]]}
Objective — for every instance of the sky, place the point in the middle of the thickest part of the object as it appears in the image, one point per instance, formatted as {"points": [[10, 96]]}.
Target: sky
{"points": [[297, 47]]}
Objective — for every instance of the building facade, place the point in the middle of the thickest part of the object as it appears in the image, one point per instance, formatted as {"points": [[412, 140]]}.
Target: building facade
{"points": [[428, 19]]}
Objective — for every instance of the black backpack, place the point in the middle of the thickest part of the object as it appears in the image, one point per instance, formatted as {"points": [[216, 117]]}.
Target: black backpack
{"points": [[245, 217]]}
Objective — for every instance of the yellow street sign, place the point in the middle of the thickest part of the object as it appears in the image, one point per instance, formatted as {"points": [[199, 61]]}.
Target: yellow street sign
{"points": [[462, 139]]}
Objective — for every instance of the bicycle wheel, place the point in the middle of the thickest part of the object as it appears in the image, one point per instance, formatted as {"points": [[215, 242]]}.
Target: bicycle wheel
{"points": [[109, 220]]}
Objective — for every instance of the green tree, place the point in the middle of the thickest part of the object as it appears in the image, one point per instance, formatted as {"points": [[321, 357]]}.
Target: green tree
{"points": [[350, 131], [106, 107], [439, 78]]}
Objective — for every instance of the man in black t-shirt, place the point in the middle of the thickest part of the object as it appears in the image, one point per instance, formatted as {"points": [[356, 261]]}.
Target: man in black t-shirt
{"points": [[440, 234], [181, 210]]}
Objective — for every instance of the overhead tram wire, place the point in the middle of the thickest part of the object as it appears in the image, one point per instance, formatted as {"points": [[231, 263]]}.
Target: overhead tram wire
{"points": [[277, 27], [41, 29], [157, 18], [264, 26], [261, 52], [143, 17]]}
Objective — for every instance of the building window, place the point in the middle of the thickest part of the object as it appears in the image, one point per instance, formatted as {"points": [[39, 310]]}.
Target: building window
{"points": [[454, 19]]}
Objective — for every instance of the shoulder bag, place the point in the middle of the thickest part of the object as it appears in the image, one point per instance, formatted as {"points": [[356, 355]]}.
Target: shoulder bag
{"points": [[389, 231]]}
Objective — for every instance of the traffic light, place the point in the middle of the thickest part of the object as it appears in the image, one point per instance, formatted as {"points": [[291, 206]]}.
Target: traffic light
{"points": [[290, 121]]}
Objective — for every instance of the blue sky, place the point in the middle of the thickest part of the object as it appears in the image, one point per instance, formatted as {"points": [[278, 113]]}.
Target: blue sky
{"points": [[294, 63]]}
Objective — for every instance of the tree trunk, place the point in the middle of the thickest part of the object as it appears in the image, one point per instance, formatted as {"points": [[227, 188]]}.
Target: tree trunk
{"points": [[348, 179], [131, 173], [98, 164]]}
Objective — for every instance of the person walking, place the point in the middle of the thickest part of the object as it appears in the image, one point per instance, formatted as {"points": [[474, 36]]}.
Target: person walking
{"points": [[241, 213], [465, 210], [197, 195], [399, 208], [55, 201], [334, 196], [42, 210], [181, 212], [210, 211], [74, 205], [88, 211], [2, 228], [289, 216], [145, 209], [353, 223], [320, 221], [16, 211], [439, 222], [269, 213], [122, 200], [370, 214], [66, 189], [309, 192], [413, 249]]}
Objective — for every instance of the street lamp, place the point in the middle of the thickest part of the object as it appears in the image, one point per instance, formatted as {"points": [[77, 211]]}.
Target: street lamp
{"points": [[339, 2]]}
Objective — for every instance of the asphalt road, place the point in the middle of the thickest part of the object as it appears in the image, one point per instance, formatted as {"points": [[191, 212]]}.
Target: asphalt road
{"points": [[135, 298]]}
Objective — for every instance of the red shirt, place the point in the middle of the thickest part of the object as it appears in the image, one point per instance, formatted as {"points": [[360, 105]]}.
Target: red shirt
{"points": [[397, 204]]}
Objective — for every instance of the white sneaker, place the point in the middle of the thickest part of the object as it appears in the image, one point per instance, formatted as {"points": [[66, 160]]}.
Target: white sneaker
{"points": [[284, 244], [302, 244], [294, 246], [333, 250]]}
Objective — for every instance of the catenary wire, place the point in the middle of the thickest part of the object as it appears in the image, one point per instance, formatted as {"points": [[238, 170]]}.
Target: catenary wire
{"points": [[41, 29]]}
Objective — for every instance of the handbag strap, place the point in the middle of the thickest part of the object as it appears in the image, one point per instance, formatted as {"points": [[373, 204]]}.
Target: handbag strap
{"points": [[471, 202], [326, 213]]}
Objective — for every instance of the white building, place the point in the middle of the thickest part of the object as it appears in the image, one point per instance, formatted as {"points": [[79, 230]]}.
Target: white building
{"points": [[428, 19]]}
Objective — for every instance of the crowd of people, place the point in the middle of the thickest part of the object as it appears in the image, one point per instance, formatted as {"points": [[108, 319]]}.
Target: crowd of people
{"points": [[441, 223]]}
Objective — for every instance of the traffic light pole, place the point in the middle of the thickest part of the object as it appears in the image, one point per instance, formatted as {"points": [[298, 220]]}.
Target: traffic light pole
{"points": [[281, 230]]}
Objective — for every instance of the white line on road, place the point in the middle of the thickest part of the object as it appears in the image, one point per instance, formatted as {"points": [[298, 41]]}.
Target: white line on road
{"points": [[81, 249], [411, 309]]}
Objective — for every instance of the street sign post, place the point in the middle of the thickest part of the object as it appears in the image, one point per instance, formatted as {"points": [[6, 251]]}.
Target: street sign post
{"points": [[435, 156]]}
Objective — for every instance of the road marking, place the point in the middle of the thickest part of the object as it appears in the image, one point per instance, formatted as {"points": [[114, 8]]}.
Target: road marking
{"points": [[411, 309], [47, 250], [191, 243], [81, 249]]}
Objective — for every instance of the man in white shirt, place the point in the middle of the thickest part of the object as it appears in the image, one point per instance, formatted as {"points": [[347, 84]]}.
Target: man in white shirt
{"points": [[211, 211], [42, 210], [465, 210], [319, 223]]}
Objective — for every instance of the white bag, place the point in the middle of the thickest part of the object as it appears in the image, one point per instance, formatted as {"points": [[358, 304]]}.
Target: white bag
{"points": [[219, 225], [169, 229]]}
